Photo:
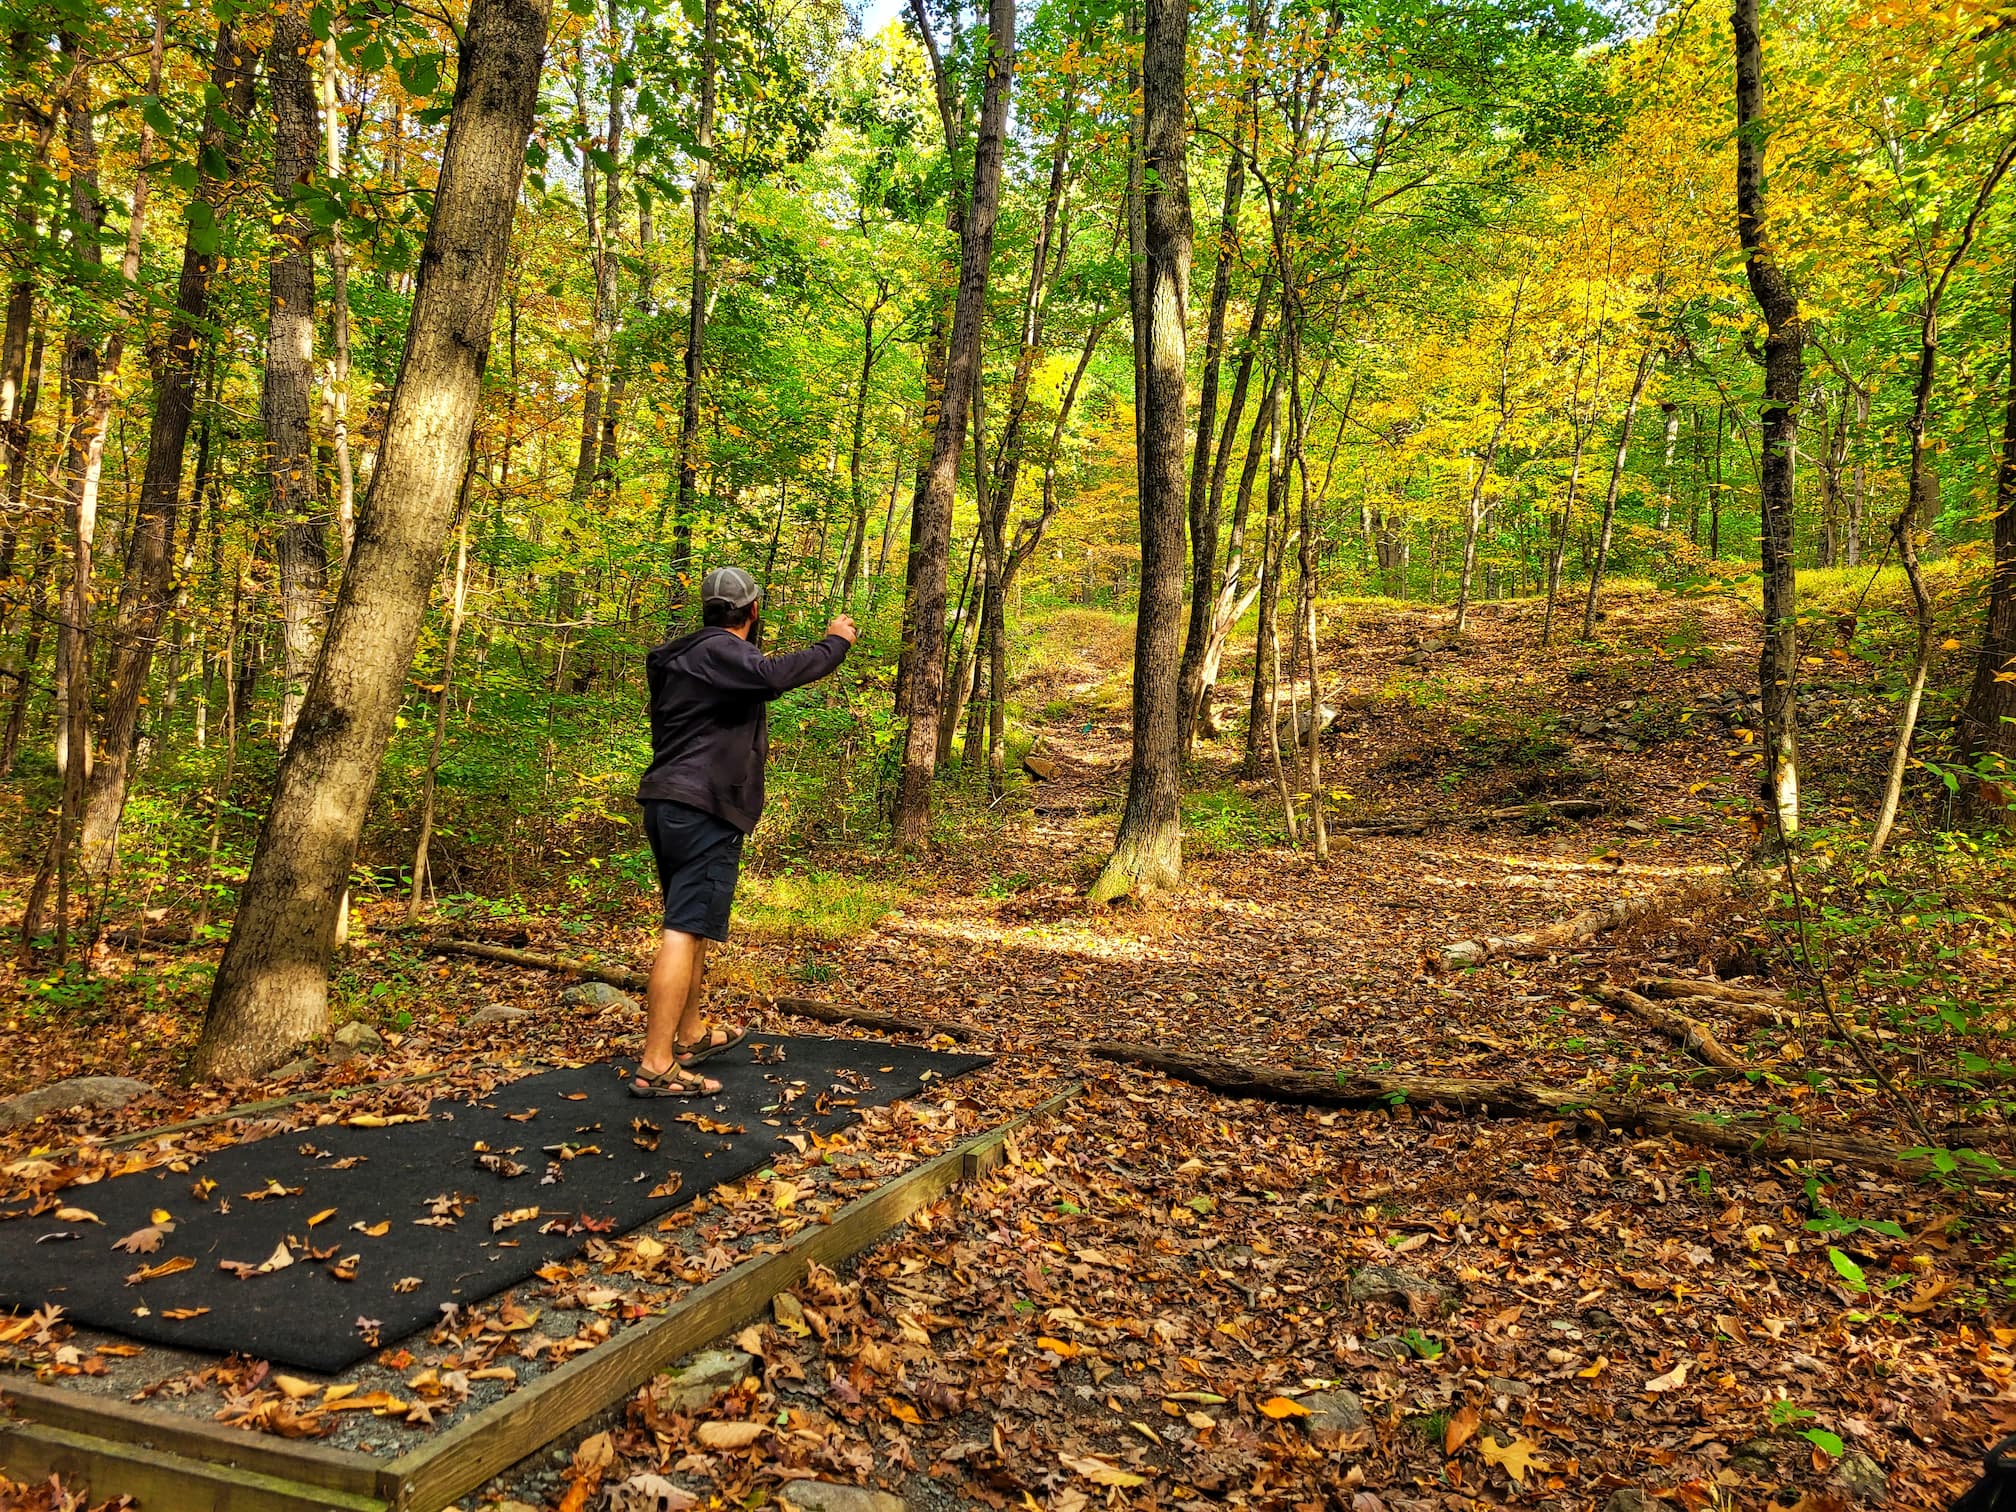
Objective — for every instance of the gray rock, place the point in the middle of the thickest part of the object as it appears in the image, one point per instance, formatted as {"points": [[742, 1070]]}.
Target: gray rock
{"points": [[1754, 1455], [596, 995], [1390, 1347], [826, 1496], [499, 1013], [1502, 1386], [1631, 1499], [1388, 1283], [357, 1038], [75, 1092], [1333, 1412], [1863, 1479], [711, 1372]]}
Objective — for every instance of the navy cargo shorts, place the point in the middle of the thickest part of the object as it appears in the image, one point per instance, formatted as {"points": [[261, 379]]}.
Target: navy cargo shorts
{"points": [[699, 859]]}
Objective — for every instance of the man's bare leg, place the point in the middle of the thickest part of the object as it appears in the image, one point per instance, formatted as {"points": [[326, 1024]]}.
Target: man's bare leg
{"points": [[672, 998]]}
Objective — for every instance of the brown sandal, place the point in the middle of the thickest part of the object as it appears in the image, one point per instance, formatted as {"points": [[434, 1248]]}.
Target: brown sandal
{"points": [[710, 1047], [674, 1081]]}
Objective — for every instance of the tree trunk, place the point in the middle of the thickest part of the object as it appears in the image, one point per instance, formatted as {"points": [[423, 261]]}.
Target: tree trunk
{"points": [[336, 378], [271, 987], [1988, 720], [290, 376], [1204, 499], [696, 317], [1617, 461], [1784, 353], [1260, 708], [457, 604], [1148, 852], [1196, 712], [857, 483], [1922, 503], [148, 587], [1558, 551], [931, 530]]}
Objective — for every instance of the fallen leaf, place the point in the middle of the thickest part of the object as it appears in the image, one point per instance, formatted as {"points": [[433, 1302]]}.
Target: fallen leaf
{"points": [[170, 1267], [1673, 1380], [1516, 1458], [1283, 1407], [1462, 1425], [1100, 1473], [140, 1242], [322, 1216], [728, 1435]]}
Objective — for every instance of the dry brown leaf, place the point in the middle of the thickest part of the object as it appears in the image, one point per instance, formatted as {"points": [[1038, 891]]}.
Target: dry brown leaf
{"points": [[728, 1435]]}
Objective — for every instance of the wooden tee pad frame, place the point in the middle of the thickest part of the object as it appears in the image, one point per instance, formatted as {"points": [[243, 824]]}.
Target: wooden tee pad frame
{"points": [[168, 1462]]}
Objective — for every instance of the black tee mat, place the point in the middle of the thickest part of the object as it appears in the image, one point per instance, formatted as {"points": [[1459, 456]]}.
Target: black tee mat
{"points": [[470, 1200]]}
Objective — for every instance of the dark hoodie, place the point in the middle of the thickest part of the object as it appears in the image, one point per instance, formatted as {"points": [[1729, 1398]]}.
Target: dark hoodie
{"points": [[710, 718]]}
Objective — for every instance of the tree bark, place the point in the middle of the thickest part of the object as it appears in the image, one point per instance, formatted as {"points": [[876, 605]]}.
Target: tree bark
{"points": [[1260, 707], [337, 406], [148, 588], [457, 603], [1784, 354], [271, 991], [1921, 503], [1617, 461], [1148, 852], [931, 530], [1988, 720], [1204, 499], [696, 317], [289, 379]]}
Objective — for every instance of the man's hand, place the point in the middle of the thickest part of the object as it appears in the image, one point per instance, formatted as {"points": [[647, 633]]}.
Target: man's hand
{"points": [[843, 626]]}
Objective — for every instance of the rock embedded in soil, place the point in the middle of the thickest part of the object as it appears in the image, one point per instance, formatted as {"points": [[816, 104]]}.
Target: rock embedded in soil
{"points": [[357, 1039], [1332, 1412], [710, 1373], [596, 995], [1632, 1499], [75, 1092], [826, 1496], [1863, 1479], [1501, 1386], [1390, 1347], [1388, 1283], [499, 1013]]}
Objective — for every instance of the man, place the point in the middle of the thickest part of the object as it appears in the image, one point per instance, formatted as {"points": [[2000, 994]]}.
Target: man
{"points": [[710, 736]]}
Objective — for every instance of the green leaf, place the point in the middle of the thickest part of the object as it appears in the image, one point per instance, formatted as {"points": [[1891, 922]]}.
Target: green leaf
{"points": [[1825, 1441], [1848, 1270]]}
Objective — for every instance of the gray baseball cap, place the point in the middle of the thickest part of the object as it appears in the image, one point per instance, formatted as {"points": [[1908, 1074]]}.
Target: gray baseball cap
{"points": [[731, 586]]}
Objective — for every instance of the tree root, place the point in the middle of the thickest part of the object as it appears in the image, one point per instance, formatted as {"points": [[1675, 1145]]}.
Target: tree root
{"points": [[1690, 1034], [1505, 1098], [870, 1018]]}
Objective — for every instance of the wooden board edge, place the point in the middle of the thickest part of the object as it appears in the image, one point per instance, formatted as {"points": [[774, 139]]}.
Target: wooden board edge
{"points": [[194, 1439], [488, 1442], [156, 1479]]}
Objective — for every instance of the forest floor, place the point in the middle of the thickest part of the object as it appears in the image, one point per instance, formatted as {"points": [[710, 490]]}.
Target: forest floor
{"points": [[1175, 1299]]}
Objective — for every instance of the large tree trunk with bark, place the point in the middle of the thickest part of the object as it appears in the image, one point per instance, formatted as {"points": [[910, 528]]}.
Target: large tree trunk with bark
{"points": [[147, 589], [1988, 721], [1148, 852], [1784, 355], [931, 529], [271, 991], [290, 367]]}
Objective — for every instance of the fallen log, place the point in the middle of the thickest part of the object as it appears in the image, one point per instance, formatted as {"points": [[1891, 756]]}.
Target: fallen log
{"points": [[1579, 929], [1504, 1097], [1691, 1035], [615, 976], [1414, 824], [1686, 987], [872, 1018]]}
